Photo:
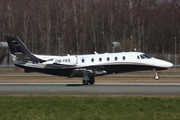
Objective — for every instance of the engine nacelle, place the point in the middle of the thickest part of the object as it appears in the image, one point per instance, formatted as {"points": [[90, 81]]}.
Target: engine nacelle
{"points": [[66, 60]]}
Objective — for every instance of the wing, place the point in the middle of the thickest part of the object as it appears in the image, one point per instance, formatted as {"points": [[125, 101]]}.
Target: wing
{"points": [[87, 72]]}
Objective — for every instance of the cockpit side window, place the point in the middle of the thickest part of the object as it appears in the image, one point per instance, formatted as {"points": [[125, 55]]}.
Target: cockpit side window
{"points": [[138, 57]]}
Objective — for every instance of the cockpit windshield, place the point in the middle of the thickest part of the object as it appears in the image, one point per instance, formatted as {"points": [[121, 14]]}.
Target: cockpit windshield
{"points": [[146, 56], [142, 57]]}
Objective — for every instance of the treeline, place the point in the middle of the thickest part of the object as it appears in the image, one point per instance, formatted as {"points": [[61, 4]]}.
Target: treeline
{"points": [[85, 26]]}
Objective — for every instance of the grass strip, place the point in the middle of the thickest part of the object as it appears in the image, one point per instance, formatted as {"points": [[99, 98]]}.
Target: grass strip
{"points": [[62, 107]]}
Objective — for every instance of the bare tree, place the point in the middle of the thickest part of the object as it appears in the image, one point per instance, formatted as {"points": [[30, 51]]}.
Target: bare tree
{"points": [[88, 25]]}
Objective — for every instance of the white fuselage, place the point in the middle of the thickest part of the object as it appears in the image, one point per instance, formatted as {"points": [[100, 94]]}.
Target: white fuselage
{"points": [[128, 58]]}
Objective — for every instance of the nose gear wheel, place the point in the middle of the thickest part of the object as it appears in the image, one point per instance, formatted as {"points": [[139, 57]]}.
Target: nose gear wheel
{"points": [[156, 77]]}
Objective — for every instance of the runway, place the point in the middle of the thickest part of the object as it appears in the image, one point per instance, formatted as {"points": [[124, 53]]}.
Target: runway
{"points": [[97, 88], [122, 75]]}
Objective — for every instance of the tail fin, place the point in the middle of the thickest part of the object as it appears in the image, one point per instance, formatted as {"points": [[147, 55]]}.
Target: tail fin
{"points": [[17, 48]]}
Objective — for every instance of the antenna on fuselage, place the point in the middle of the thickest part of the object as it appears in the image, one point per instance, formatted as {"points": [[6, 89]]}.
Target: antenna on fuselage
{"points": [[95, 52], [115, 45]]}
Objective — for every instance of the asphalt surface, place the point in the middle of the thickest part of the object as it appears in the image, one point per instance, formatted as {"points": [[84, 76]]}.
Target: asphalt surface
{"points": [[97, 88], [123, 75]]}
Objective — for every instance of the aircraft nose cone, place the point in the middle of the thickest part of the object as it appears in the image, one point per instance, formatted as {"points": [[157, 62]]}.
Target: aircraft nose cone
{"points": [[170, 64], [167, 64], [163, 63]]}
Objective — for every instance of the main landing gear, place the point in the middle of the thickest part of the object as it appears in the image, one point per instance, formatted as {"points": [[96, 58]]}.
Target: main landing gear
{"points": [[88, 80], [156, 77]]}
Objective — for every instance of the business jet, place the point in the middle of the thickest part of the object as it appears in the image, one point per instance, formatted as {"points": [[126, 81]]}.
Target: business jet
{"points": [[86, 66]]}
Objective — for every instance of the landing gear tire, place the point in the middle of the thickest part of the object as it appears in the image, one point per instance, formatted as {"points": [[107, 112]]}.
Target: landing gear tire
{"points": [[85, 82], [91, 81], [156, 77]]}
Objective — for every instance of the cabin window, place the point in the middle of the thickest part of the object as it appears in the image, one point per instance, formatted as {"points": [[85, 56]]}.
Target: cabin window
{"points": [[83, 60], [100, 59], [138, 57], [115, 58], [92, 60], [108, 59], [123, 57]]}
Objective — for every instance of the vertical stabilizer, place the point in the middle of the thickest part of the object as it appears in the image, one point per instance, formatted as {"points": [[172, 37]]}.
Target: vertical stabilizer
{"points": [[17, 48]]}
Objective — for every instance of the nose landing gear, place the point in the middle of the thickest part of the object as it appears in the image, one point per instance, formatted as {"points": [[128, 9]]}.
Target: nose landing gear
{"points": [[156, 77]]}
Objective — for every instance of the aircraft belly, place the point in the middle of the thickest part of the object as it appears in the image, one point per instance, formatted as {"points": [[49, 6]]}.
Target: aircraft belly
{"points": [[92, 70], [110, 69]]}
